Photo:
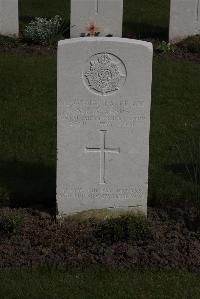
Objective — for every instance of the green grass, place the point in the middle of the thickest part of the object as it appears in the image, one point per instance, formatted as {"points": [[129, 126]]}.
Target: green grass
{"points": [[174, 117], [44, 8], [28, 128], [143, 17], [147, 18], [93, 282]]}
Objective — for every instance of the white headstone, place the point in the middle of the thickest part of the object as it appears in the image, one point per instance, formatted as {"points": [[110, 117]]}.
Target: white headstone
{"points": [[9, 19], [96, 17], [104, 99], [184, 19]]}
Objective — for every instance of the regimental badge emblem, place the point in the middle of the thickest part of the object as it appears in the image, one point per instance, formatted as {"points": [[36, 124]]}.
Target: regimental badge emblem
{"points": [[105, 74]]}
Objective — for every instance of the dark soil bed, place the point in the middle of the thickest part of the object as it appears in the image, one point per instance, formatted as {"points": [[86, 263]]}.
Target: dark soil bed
{"points": [[8, 44], [21, 46], [181, 54], [173, 244]]}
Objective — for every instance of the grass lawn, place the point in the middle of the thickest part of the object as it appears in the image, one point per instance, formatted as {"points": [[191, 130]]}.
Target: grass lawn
{"points": [[142, 17], [174, 119], [28, 130], [98, 283]]}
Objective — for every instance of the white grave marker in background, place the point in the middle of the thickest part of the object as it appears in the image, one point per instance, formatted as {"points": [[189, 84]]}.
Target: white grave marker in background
{"points": [[184, 19], [96, 18], [103, 121], [9, 18]]}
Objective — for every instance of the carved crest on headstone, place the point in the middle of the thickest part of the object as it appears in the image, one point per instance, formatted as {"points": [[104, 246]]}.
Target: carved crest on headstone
{"points": [[106, 73]]}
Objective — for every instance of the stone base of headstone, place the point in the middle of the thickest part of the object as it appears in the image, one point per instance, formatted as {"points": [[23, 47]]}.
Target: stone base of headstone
{"points": [[102, 214]]}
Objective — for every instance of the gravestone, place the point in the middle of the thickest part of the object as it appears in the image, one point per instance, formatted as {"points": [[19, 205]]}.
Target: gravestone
{"points": [[103, 120], [96, 18], [9, 19], [184, 19]]}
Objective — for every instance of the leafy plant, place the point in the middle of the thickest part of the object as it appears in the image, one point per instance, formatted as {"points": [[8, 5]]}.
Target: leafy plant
{"points": [[124, 228], [46, 31], [166, 47], [10, 222], [88, 34]]}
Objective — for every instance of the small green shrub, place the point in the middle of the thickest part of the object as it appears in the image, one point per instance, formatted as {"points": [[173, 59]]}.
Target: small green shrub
{"points": [[166, 47], [191, 44], [46, 31], [124, 228], [10, 222]]}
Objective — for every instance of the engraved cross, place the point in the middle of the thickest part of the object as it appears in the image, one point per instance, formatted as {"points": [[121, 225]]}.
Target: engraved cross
{"points": [[103, 150]]}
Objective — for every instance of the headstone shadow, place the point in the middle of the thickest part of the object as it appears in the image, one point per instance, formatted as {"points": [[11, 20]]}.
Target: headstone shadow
{"points": [[144, 30], [29, 184]]}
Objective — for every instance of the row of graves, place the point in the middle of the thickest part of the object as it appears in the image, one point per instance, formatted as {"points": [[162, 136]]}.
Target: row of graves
{"points": [[103, 105], [104, 18]]}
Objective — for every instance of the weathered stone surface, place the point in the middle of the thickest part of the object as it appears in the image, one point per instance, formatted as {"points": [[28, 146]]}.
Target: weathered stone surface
{"points": [[104, 98], [96, 17], [184, 19], [9, 19]]}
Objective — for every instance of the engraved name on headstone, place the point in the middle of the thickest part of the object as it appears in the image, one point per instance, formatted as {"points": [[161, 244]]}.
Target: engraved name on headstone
{"points": [[9, 19], [184, 19], [103, 121], [96, 18]]}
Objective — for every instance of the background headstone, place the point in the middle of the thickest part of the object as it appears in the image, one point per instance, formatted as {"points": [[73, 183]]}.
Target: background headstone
{"points": [[104, 98], [96, 18], [184, 19], [9, 17]]}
